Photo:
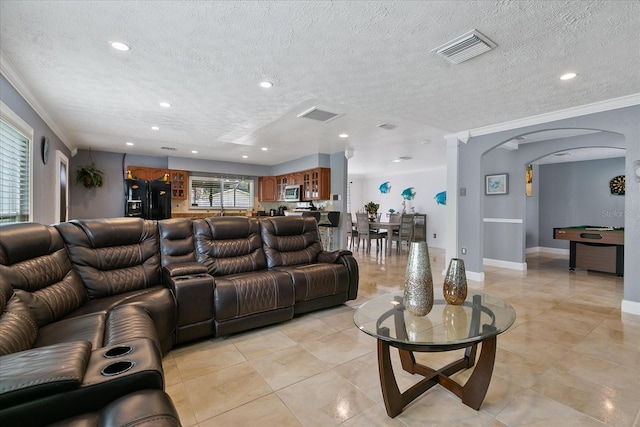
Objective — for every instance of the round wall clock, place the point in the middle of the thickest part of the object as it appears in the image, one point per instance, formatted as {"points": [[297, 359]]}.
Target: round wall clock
{"points": [[45, 150], [617, 185]]}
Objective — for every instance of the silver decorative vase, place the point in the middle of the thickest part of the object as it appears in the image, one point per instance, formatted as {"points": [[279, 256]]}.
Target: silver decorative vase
{"points": [[418, 282], [455, 282]]}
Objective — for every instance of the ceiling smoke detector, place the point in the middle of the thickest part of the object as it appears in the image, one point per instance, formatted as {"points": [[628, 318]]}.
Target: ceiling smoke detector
{"points": [[387, 126], [465, 47], [319, 115]]}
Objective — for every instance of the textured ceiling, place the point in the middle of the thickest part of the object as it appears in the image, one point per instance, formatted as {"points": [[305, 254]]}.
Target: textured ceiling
{"points": [[370, 61]]}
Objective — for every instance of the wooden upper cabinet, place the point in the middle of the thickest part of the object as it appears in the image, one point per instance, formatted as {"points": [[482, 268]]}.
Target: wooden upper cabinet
{"points": [[316, 185], [148, 174], [267, 189], [179, 184]]}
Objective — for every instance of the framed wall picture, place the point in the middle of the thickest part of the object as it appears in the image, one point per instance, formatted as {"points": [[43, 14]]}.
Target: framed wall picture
{"points": [[496, 184]]}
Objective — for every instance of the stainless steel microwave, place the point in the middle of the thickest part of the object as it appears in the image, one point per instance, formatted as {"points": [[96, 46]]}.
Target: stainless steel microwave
{"points": [[292, 193]]}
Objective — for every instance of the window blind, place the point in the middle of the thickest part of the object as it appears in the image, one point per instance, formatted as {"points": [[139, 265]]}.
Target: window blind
{"points": [[220, 193], [14, 174]]}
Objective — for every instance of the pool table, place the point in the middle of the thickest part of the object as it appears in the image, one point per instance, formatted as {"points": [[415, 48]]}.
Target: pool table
{"points": [[594, 248]]}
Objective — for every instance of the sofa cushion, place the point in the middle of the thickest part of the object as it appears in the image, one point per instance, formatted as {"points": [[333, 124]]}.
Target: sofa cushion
{"points": [[229, 245], [177, 244], [244, 294], [290, 240], [89, 327], [318, 280], [18, 329], [113, 255], [34, 261]]}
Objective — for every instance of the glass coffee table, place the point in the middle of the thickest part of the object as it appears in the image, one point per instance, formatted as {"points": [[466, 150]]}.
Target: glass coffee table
{"points": [[479, 320]]}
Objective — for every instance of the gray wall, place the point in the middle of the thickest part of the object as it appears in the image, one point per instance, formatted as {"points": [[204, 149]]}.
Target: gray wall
{"points": [[577, 193], [623, 125], [43, 176]]}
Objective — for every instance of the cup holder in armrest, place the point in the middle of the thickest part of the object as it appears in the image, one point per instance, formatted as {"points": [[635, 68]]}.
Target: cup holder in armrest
{"points": [[117, 368], [118, 351]]}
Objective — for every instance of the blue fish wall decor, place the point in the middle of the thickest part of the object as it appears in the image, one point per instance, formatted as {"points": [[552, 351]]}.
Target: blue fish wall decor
{"points": [[385, 187], [408, 193], [441, 198]]}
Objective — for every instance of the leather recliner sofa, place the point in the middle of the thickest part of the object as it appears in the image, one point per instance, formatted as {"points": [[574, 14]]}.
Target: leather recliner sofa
{"points": [[106, 298]]}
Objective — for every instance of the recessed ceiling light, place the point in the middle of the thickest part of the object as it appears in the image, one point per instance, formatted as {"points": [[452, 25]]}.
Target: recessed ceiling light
{"points": [[344, 135], [120, 46], [264, 149], [425, 141], [245, 157], [129, 143], [568, 76], [194, 151], [165, 104], [396, 160], [265, 84], [155, 128]]}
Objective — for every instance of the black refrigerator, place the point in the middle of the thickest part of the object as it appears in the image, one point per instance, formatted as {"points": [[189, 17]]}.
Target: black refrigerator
{"points": [[147, 199]]}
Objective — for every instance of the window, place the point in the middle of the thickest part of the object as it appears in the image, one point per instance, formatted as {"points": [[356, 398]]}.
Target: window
{"points": [[15, 161], [219, 193]]}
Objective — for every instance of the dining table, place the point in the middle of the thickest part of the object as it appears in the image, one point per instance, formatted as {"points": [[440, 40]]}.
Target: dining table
{"points": [[389, 226]]}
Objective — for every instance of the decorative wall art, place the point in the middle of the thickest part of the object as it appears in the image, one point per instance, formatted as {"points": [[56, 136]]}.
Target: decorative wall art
{"points": [[496, 184], [408, 193], [529, 180], [385, 187], [441, 198]]}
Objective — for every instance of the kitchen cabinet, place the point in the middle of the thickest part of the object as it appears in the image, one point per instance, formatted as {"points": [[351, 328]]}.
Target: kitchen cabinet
{"points": [[267, 191], [179, 179], [179, 184], [317, 184], [281, 182], [148, 174]]}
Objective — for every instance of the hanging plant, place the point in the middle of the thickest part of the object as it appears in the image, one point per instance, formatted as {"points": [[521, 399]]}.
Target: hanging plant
{"points": [[89, 175]]}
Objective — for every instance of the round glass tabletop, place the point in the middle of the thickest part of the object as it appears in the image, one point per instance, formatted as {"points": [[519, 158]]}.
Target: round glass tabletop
{"points": [[446, 327]]}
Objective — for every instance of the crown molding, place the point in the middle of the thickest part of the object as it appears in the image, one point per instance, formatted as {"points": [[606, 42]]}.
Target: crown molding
{"points": [[9, 72], [582, 110]]}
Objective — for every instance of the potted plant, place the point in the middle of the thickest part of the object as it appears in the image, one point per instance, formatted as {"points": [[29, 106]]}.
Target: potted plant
{"points": [[89, 175], [372, 210]]}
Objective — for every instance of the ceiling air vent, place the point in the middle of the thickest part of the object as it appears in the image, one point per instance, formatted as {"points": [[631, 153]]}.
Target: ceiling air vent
{"points": [[319, 115], [465, 47], [387, 126], [169, 148]]}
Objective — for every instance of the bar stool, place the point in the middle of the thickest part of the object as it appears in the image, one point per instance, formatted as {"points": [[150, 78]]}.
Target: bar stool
{"points": [[329, 225]]}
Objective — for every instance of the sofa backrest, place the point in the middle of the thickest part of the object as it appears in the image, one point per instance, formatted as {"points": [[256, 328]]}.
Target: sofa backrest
{"points": [[113, 255], [290, 240], [18, 329], [35, 262], [177, 243], [229, 245]]}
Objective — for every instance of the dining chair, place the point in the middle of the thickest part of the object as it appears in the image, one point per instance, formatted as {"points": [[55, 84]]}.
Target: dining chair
{"points": [[352, 233], [365, 232], [395, 217], [404, 233]]}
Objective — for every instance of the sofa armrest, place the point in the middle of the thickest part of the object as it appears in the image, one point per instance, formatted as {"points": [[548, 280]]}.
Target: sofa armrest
{"points": [[194, 296], [333, 256], [183, 269], [43, 371]]}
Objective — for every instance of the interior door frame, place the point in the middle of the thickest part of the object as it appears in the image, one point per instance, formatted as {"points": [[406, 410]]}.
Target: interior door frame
{"points": [[61, 160]]}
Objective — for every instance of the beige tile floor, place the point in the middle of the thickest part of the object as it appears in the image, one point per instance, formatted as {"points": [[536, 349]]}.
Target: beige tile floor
{"points": [[570, 359]]}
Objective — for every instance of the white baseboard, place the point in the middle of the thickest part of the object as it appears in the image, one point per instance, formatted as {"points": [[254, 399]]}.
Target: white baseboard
{"points": [[630, 307], [475, 276], [542, 249], [520, 266]]}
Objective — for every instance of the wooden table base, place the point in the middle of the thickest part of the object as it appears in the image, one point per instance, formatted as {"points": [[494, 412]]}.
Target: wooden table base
{"points": [[472, 392]]}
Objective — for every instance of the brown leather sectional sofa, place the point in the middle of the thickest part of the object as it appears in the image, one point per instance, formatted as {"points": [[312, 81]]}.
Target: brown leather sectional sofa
{"points": [[88, 307]]}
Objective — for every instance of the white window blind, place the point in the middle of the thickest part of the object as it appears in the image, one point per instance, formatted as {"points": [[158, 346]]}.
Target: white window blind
{"points": [[220, 193], [14, 174]]}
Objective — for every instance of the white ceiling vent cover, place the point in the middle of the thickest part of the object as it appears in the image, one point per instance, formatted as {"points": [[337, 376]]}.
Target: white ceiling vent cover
{"points": [[319, 115], [387, 126], [465, 47]]}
